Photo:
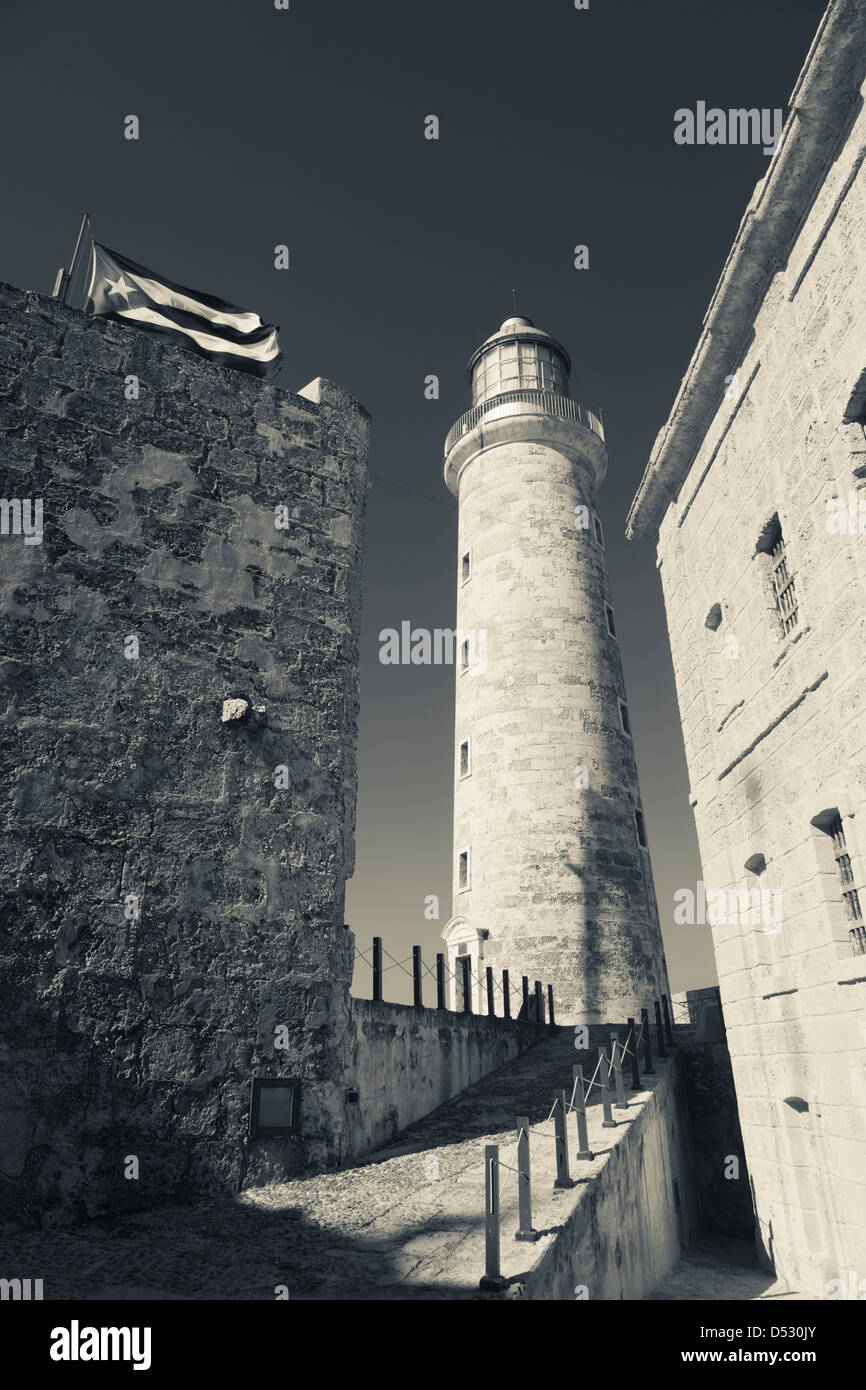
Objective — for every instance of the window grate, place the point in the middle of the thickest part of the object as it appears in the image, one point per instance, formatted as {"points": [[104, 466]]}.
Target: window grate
{"points": [[783, 586], [850, 895]]}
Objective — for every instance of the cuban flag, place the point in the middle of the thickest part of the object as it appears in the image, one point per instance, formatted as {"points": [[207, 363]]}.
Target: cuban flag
{"points": [[120, 289]]}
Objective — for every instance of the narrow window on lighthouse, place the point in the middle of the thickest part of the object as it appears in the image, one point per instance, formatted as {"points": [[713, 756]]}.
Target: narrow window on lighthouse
{"points": [[641, 829], [599, 534], [623, 715], [465, 759], [463, 871], [464, 655], [466, 566], [610, 623]]}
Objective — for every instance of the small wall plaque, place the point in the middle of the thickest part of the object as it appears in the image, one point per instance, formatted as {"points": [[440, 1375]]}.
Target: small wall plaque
{"points": [[275, 1107]]}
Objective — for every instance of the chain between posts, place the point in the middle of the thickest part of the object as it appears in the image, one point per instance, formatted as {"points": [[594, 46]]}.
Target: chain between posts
{"points": [[486, 985], [605, 1067]]}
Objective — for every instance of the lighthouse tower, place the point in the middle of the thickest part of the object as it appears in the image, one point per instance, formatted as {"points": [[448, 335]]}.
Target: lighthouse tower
{"points": [[552, 874]]}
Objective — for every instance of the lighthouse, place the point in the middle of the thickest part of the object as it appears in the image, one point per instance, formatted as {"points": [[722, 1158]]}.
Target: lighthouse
{"points": [[552, 876]]}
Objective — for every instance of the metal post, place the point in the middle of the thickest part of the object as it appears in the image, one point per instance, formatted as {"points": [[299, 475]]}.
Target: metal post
{"points": [[73, 264], [526, 997], [539, 1002], [635, 1069], [604, 1073], [579, 1103], [668, 1032], [377, 967], [464, 962], [491, 998], [525, 1230], [616, 1062], [660, 1037], [492, 1281], [416, 976], [506, 994], [440, 981], [648, 1067], [551, 1020], [560, 1104]]}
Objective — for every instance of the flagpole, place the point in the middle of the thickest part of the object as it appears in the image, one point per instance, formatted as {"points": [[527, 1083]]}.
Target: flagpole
{"points": [[64, 277]]}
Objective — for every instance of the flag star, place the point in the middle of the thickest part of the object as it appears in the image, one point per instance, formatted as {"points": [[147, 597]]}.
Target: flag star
{"points": [[120, 288]]}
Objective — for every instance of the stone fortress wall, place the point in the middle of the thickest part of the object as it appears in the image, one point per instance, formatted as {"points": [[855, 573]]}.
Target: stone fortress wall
{"points": [[765, 449], [167, 903]]}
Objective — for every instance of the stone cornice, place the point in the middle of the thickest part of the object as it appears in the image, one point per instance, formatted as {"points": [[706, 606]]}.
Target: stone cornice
{"points": [[822, 99]]}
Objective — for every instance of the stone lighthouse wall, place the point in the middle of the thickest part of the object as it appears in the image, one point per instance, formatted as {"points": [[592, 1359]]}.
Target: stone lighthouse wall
{"points": [[167, 905], [556, 873]]}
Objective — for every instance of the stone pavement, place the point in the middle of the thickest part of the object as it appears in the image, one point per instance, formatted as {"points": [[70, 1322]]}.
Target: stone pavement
{"points": [[723, 1270], [406, 1224]]}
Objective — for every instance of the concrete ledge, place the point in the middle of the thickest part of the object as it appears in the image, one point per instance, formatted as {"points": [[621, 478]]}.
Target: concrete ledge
{"points": [[632, 1214], [406, 1061], [822, 100]]}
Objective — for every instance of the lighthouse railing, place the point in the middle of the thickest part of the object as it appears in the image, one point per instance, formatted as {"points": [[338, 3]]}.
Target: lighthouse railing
{"points": [[516, 403]]}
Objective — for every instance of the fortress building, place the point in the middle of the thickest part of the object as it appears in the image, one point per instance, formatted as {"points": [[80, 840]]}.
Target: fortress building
{"points": [[755, 493], [552, 875]]}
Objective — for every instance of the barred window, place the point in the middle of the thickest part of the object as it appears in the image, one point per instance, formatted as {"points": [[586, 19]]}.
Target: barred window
{"points": [[772, 543], [850, 896], [831, 823]]}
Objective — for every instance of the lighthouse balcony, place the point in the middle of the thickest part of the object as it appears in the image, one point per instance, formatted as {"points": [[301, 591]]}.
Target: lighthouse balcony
{"points": [[524, 403]]}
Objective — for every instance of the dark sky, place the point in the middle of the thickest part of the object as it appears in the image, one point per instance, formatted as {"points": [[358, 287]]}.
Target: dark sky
{"points": [[306, 127]]}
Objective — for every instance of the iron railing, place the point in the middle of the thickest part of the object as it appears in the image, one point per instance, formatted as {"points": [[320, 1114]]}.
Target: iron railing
{"points": [[522, 403]]}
